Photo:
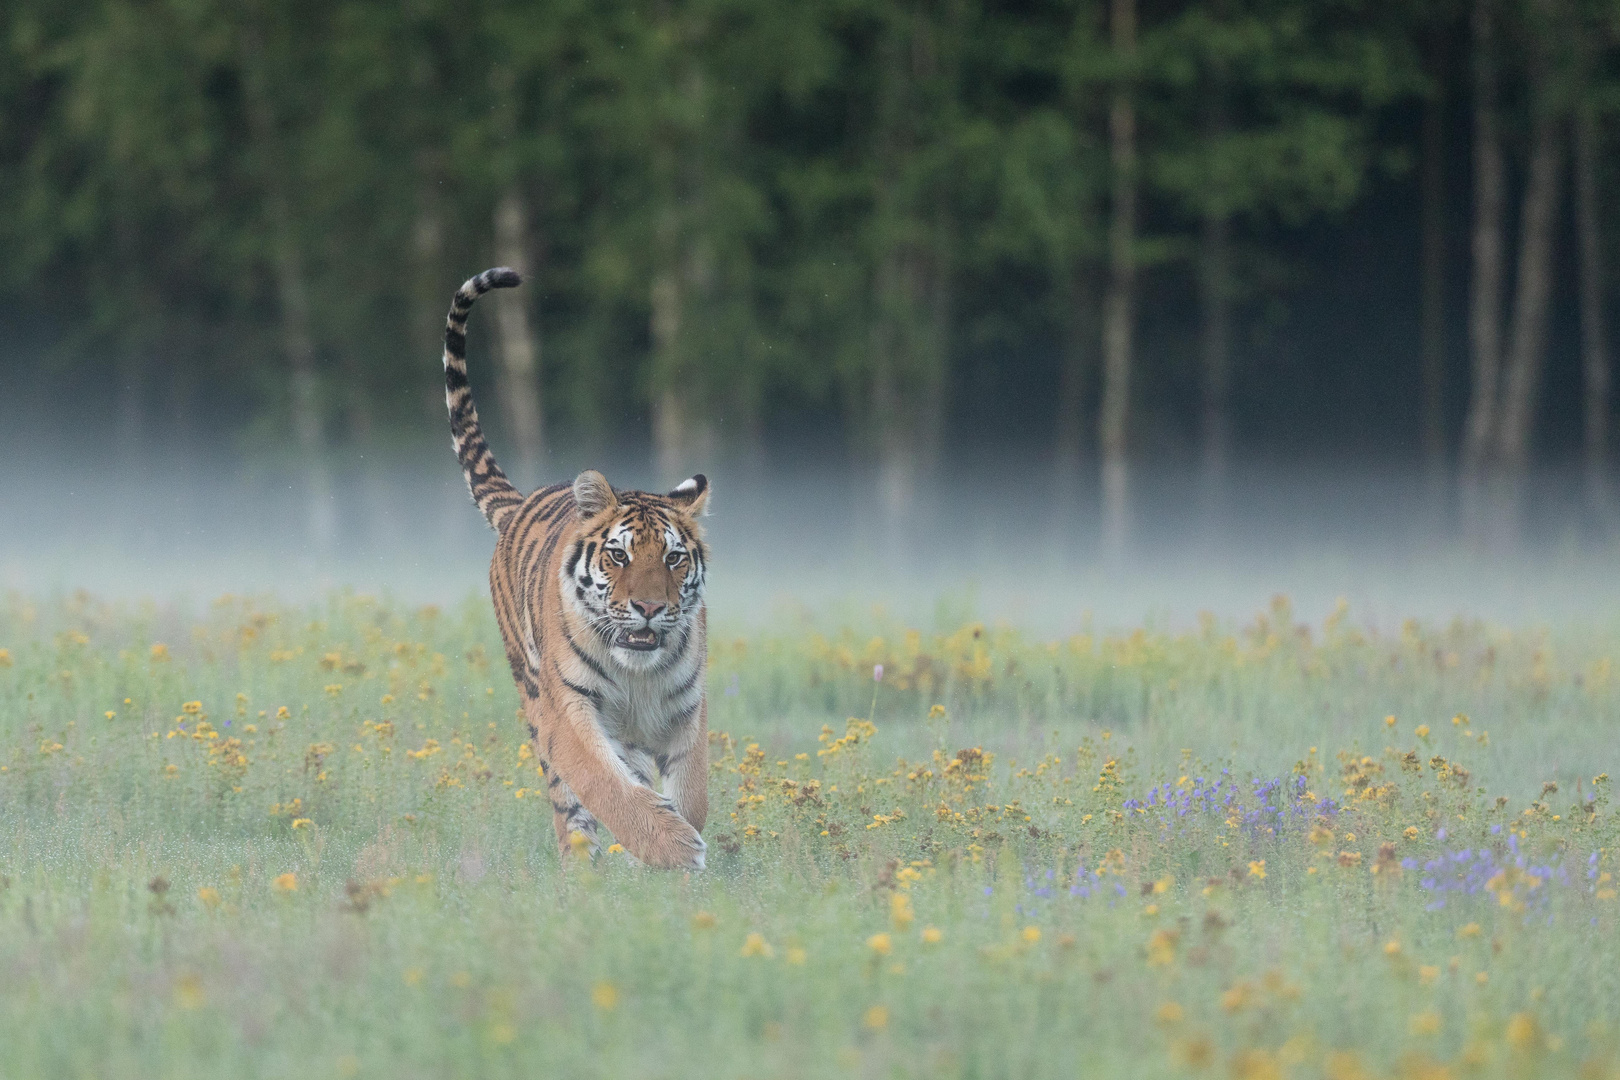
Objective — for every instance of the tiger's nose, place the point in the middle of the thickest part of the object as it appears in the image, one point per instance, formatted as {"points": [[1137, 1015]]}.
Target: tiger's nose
{"points": [[648, 608]]}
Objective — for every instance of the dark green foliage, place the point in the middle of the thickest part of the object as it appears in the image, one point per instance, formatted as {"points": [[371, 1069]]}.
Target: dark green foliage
{"points": [[852, 203]]}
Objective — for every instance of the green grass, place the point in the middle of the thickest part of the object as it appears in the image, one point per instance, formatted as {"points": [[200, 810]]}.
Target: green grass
{"points": [[323, 867]]}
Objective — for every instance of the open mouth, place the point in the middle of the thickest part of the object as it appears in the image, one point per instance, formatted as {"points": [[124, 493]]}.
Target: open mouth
{"points": [[643, 640]]}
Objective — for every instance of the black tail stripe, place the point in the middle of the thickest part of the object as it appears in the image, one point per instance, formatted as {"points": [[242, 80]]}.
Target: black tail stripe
{"points": [[491, 490]]}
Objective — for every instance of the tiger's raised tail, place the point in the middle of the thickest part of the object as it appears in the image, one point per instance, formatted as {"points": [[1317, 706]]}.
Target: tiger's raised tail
{"points": [[491, 490]]}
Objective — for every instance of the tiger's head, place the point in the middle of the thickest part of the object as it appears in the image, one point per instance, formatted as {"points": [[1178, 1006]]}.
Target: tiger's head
{"points": [[636, 572]]}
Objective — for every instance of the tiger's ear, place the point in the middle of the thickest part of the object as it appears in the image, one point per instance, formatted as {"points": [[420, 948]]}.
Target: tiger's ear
{"points": [[692, 495], [593, 494]]}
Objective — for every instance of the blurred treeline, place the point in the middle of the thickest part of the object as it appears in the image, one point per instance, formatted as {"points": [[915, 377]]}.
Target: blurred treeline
{"points": [[746, 220]]}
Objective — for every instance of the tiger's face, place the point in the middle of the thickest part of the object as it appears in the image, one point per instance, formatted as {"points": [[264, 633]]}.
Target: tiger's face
{"points": [[636, 573]]}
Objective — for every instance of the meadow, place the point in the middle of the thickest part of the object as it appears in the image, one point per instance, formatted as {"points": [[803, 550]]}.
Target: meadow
{"points": [[255, 840]]}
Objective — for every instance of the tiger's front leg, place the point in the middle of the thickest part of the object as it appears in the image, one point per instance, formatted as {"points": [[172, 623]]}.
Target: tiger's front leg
{"points": [[588, 768]]}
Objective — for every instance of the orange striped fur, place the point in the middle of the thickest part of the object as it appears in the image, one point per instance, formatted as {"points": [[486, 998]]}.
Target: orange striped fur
{"points": [[599, 596]]}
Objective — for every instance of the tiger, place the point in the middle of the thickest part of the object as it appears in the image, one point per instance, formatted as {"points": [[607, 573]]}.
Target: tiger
{"points": [[599, 594]]}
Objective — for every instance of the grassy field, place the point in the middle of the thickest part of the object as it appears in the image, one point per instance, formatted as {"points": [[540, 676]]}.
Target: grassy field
{"points": [[311, 842]]}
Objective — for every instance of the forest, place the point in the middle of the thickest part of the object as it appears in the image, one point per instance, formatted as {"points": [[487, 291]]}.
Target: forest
{"points": [[1101, 232]]}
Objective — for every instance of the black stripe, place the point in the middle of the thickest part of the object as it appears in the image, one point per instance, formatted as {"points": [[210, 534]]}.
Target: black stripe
{"points": [[595, 696], [586, 660], [697, 673], [682, 715], [678, 653]]}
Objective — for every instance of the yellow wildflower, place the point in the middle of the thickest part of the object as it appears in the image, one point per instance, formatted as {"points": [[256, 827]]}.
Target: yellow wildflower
{"points": [[1392, 948], [188, 992], [1344, 1065], [1257, 868], [1422, 731], [1031, 934], [301, 823], [1196, 1053], [796, 955], [876, 1018], [900, 911], [605, 996], [1237, 997], [1161, 948], [209, 897], [880, 944], [1471, 930], [755, 945], [1255, 1065], [287, 882], [932, 935], [1522, 1032], [1169, 1013]]}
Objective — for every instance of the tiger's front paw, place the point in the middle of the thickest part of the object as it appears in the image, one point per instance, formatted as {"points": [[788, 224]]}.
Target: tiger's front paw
{"points": [[677, 846]]}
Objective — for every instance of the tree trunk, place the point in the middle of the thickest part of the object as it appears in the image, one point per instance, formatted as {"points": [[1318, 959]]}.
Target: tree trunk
{"points": [[1527, 345], [1215, 302], [1485, 300], [1118, 308], [1432, 361], [430, 291], [1079, 358], [934, 305], [519, 343], [1594, 329], [671, 421], [893, 415], [292, 292], [299, 343], [129, 433]]}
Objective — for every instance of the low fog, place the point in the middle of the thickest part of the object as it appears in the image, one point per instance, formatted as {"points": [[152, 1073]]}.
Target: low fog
{"points": [[993, 539]]}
